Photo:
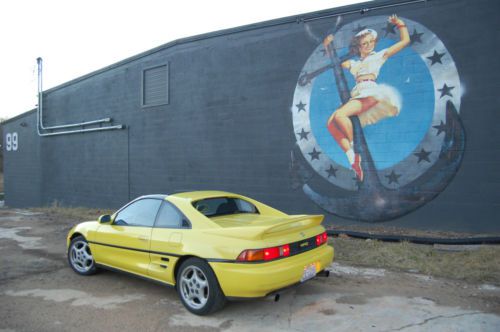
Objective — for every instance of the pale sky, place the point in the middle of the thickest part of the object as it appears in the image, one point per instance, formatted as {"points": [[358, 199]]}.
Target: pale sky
{"points": [[77, 37]]}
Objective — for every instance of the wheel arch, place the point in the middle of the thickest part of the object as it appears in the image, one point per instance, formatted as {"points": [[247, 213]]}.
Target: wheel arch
{"points": [[76, 234]]}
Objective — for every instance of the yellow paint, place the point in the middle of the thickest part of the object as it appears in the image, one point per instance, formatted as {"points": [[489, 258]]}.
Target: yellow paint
{"points": [[154, 252]]}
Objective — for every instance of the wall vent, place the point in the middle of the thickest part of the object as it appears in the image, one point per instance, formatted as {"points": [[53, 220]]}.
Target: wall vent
{"points": [[155, 86]]}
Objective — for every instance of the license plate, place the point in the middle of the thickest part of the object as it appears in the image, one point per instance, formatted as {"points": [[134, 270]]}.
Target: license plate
{"points": [[309, 272]]}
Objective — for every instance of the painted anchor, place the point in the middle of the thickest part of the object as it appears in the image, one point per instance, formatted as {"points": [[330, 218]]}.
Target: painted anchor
{"points": [[373, 202]]}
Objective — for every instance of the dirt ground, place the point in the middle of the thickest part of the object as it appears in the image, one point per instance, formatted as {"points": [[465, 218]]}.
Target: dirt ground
{"points": [[39, 292]]}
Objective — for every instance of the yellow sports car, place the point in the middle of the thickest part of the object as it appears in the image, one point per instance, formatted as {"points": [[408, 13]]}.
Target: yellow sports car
{"points": [[211, 245]]}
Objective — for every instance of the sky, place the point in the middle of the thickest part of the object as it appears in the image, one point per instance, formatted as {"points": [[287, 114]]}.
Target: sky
{"points": [[75, 38]]}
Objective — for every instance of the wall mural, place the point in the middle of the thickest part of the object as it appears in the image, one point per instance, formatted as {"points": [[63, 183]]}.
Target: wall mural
{"points": [[376, 116]]}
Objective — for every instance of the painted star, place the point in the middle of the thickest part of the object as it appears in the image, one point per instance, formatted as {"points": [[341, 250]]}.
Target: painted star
{"points": [[359, 28], [303, 134], [436, 57], [332, 171], [389, 29], [393, 177], [440, 128], [416, 37], [445, 91], [301, 106], [314, 154], [423, 155]]}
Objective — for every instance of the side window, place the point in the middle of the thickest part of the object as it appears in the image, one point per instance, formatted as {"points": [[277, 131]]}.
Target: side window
{"points": [[244, 206], [170, 217], [140, 213]]}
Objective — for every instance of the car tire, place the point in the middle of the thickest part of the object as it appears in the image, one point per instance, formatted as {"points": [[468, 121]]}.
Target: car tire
{"points": [[80, 257], [198, 287]]}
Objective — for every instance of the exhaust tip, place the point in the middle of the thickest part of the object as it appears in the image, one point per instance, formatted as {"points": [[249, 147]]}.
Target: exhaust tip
{"points": [[324, 273]]}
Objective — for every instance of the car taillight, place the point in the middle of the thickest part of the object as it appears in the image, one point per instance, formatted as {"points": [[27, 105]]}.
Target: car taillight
{"points": [[285, 250], [321, 238], [266, 254]]}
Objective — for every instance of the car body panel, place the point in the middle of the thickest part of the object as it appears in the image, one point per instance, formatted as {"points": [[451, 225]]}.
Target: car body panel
{"points": [[155, 252], [123, 247], [167, 245], [249, 280]]}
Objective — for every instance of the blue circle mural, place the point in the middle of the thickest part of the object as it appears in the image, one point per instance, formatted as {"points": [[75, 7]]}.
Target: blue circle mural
{"points": [[375, 114], [413, 121]]}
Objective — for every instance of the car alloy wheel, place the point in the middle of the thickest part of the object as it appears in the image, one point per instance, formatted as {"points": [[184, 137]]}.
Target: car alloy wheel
{"points": [[198, 287], [80, 256], [194, 287]]}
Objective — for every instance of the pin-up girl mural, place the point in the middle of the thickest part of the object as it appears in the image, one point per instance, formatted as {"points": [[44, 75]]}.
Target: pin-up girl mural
{"points": [[370, 101], [412, 152]]}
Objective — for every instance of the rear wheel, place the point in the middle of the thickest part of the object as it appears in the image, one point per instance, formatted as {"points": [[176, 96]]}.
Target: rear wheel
{"points": [[198, 287], [80, 258]]}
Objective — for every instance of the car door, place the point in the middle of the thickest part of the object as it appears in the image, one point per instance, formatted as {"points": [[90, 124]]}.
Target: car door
{"points": [[125, 243], [167, 242]]}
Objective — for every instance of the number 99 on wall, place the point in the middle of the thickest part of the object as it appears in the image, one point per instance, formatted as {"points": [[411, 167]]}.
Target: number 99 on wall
{"points": [[11, 142]]}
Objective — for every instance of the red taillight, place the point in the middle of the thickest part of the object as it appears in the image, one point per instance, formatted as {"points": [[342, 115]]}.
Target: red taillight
{"points": [[285, 250], [266, 254], [271, 253], [321, 238]]}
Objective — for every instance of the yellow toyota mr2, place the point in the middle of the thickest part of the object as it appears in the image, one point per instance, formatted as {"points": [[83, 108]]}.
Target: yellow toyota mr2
{"points": [[211, 245]]}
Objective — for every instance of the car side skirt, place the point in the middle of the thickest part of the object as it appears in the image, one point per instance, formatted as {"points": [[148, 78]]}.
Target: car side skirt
{"points": [[147, 278]]}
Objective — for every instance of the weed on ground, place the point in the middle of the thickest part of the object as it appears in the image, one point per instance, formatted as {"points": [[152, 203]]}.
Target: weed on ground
{"points": [[471, 263], [73, 213]]}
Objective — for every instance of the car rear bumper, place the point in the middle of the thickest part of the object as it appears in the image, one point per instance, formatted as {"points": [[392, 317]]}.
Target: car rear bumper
{"points": [[248, 280]]}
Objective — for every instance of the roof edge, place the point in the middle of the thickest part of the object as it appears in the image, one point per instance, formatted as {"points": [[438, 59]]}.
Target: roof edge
{"points": [[17, 117], [361, 7], [300, 18]]}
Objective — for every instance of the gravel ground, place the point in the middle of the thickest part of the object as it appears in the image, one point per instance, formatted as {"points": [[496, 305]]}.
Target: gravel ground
{"points": [[39, 292]]}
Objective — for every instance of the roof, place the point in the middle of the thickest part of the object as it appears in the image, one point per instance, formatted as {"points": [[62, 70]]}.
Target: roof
{"points": [[157, 196], [360, 8], [301, 18]]}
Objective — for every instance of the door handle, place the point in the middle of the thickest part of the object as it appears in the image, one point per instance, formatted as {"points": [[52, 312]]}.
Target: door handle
{"points": [[142, 238]]}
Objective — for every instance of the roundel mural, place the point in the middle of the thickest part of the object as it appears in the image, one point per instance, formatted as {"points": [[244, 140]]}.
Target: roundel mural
{"points": [[376, 116]]}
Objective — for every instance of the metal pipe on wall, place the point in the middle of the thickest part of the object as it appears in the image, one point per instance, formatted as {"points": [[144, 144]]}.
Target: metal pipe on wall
{"points": [[39, 115], [81, 130]]}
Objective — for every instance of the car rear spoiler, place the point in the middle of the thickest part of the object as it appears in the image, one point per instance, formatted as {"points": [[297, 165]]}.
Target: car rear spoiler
{"points": [[257, 232]]}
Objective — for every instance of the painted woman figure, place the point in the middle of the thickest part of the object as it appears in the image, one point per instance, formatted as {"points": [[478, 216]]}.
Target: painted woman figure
{"points": [[370, 101]]}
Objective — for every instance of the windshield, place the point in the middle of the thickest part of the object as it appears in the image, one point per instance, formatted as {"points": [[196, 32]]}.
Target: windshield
{"points": [[218, 206]]}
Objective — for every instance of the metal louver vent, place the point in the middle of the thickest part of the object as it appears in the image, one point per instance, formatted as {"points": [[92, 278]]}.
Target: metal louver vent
{"points": [[155, 86]]}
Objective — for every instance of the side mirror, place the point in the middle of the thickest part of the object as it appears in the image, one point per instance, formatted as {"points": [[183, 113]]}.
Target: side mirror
{"points": [[105, 218]]}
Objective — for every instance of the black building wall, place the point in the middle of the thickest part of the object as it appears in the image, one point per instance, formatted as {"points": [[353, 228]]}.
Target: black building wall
{"points": [[22, 162], [230, 124]]}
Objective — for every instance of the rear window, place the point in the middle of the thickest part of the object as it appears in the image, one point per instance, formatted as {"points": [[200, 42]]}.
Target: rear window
{"points": [[219, 206]]}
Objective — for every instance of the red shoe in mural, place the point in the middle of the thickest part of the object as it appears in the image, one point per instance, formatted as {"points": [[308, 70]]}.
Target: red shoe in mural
{"points": [[356, 167]]}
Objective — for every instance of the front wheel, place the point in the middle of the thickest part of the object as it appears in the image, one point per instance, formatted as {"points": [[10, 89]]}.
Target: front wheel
{"points": [[198, 287], [80, 258]]}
